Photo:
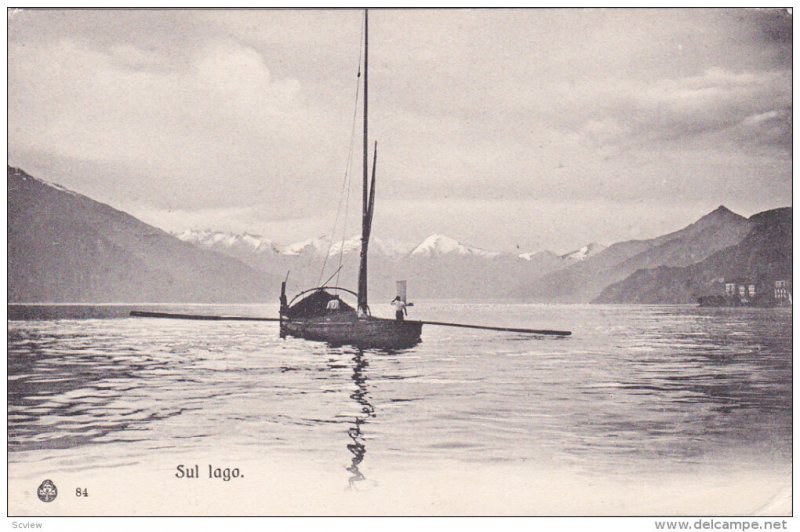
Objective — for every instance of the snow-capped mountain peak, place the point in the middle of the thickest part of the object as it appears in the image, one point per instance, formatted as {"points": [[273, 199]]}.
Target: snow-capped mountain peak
{"points": [[438, 245], [254, 244], [225, 239], [318, 246], [584, 253], [347, 246], [387, 248], [533, 254]]}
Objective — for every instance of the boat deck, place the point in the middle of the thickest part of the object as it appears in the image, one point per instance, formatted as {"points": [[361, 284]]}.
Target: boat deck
{"points": [[347, 329]]}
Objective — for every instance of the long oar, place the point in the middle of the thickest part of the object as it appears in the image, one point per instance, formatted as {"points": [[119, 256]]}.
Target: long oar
{"points": [[506, 329], [141, 314]]}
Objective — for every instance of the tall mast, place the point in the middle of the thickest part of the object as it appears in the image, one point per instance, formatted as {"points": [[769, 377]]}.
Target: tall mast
{"points": [[362, 271]]}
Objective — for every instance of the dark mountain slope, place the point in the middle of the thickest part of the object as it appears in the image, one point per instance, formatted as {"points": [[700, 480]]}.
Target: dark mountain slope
{"points": [[65, 247], [584, 281], [765, 254]]}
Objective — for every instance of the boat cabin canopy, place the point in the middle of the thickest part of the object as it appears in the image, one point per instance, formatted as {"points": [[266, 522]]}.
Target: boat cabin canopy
{"points": [[316, 304]]}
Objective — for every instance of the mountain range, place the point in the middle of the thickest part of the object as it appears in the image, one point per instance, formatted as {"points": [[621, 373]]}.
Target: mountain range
{"points": [[66, 247], [436, 245], [585, 280], [765, 253], [437, 267]]}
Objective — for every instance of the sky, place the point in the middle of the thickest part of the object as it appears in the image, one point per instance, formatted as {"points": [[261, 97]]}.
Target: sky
{"points": [[505, 129]]}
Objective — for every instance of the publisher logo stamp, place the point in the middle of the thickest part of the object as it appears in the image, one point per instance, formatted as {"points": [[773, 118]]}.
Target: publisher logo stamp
{"points": [[47, 491]]}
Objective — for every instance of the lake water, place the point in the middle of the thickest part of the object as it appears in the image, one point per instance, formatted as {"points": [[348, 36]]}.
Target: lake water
{"points": [[643, 410]]}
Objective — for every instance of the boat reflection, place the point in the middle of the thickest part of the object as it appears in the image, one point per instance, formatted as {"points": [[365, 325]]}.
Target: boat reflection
{"points": [[360, 395]]}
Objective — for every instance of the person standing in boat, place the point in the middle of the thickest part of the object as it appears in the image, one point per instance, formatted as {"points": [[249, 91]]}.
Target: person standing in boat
{"points": [[333, 304], [284, 303], [400, 310]]}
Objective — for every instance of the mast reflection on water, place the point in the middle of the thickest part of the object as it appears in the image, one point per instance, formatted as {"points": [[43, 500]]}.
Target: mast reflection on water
{"points": [[357, 446]]}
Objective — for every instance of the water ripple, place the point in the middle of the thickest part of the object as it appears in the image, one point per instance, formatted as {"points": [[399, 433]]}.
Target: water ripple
{"points": [[680, 384]]}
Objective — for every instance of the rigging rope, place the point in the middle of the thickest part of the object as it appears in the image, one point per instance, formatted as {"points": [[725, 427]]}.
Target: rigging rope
{"points": [[345, 192], [344, 223]]}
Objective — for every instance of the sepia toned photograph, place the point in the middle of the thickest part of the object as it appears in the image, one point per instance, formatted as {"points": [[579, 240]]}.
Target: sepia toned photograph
{"points": [[400, 262]]}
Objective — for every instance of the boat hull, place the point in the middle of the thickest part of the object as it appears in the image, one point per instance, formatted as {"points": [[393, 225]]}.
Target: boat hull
{"points": [[360, 332]]}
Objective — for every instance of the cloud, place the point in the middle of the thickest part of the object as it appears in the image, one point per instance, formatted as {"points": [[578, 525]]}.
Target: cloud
{"points": [[221, 116], [635, 114], [226, 86], [135, 58], [247, 114]]}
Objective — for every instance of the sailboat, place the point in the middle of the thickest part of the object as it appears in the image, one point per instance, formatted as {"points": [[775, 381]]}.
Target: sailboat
{"points": [[319, 313], [310, 314]]}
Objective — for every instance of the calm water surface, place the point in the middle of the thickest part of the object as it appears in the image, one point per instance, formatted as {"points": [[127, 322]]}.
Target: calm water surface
{"points": [[635, 388]]}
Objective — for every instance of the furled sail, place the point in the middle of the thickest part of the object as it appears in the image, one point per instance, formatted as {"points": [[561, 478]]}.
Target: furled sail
{"points": [[401, 291]]}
